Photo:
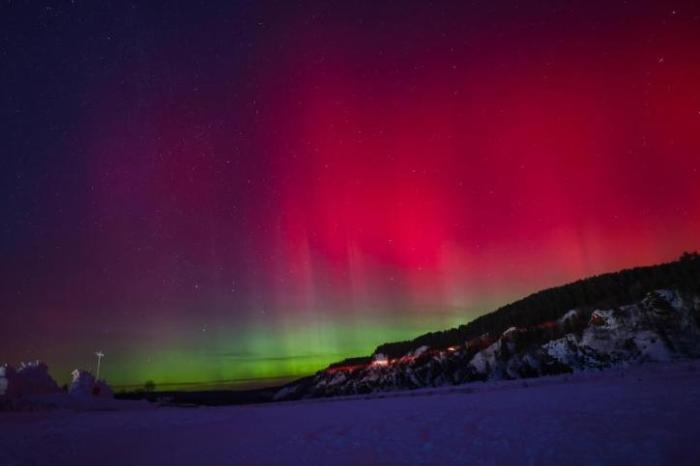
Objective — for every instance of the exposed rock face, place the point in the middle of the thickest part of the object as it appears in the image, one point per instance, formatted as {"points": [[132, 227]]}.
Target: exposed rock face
{"points": [[665, 325], [84, 385]]}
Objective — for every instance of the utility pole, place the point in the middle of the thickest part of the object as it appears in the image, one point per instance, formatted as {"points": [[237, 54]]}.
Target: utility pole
{"points": [[99, 355]]}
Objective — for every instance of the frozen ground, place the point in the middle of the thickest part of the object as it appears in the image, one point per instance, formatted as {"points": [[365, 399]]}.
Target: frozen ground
{"points": [[646, 416]]}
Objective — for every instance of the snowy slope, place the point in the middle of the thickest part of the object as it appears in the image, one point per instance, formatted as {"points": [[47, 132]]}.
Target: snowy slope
{"points": [[643, 415]]}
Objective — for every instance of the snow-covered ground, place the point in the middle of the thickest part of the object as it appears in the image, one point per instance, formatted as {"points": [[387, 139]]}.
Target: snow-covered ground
{"points": [[645, 415]]}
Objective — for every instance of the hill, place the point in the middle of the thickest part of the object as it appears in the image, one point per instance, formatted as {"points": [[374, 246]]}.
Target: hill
{"points": [[631, 316]]}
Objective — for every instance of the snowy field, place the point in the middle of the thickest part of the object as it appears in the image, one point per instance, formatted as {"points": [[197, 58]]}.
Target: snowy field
{"points": [[643, 416]]}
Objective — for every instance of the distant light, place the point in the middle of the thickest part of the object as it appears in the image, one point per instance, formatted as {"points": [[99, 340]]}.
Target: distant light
{"points": [[380, 360]]}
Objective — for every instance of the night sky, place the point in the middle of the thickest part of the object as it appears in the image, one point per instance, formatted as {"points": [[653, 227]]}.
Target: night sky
{"points": [[213, 191]]}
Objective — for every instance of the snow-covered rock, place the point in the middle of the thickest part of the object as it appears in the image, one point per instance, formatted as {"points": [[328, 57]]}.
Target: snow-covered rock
{"points": [[8, 381], [485, 360], [570, 316], [419, 351], [84, 385], [35, 379], [31, 378]]}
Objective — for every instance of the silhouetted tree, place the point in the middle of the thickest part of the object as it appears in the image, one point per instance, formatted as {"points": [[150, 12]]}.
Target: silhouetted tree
{"points": [[149, 386], [689, 256]]}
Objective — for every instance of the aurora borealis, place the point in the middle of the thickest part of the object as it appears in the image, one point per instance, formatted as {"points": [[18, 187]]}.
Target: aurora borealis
{"points": [[223, 192]]}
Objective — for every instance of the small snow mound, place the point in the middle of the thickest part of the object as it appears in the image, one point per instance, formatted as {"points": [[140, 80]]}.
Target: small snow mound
{"points": [[84, 385]]}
